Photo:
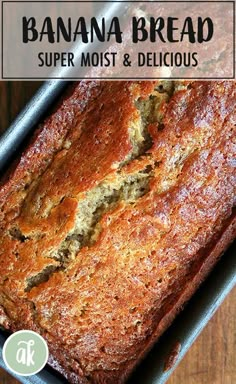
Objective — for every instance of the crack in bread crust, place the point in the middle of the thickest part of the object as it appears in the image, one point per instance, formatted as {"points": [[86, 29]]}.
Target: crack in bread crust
{"points": [[92, 205], [125, 220]]}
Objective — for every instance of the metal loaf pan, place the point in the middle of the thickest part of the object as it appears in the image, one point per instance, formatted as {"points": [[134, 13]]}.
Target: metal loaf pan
{"points": [[197, 312]]}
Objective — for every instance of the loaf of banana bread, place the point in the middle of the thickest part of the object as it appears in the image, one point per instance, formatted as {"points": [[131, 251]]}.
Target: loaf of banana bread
{"points": [[118, 208]]}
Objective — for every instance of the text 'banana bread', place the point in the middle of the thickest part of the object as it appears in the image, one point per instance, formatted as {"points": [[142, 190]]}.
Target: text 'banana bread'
{"points": [[116, 211]]}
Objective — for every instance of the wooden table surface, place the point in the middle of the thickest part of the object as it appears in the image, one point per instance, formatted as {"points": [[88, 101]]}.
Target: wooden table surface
{"points": [[212, 358]]}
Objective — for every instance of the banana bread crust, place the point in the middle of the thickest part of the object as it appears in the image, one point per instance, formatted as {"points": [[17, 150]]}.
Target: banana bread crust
{"points": [[112, 217]]}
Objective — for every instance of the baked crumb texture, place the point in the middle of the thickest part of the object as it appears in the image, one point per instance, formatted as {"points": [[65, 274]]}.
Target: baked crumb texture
{"points": [[116, 211]]}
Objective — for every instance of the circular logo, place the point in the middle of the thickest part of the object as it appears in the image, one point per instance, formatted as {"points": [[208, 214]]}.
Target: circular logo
{"points": [[25, 353]]}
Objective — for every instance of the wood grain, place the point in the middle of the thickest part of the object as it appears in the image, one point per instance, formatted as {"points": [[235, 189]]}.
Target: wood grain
{"points": [[212, 358], [13, 97]]}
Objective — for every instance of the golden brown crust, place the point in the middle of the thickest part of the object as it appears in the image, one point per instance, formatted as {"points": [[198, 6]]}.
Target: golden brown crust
{"points": [[102, 311], [172, 356]]}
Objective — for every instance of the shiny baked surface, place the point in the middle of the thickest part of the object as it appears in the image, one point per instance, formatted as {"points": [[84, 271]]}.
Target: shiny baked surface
{"points": [[104, 302]]}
